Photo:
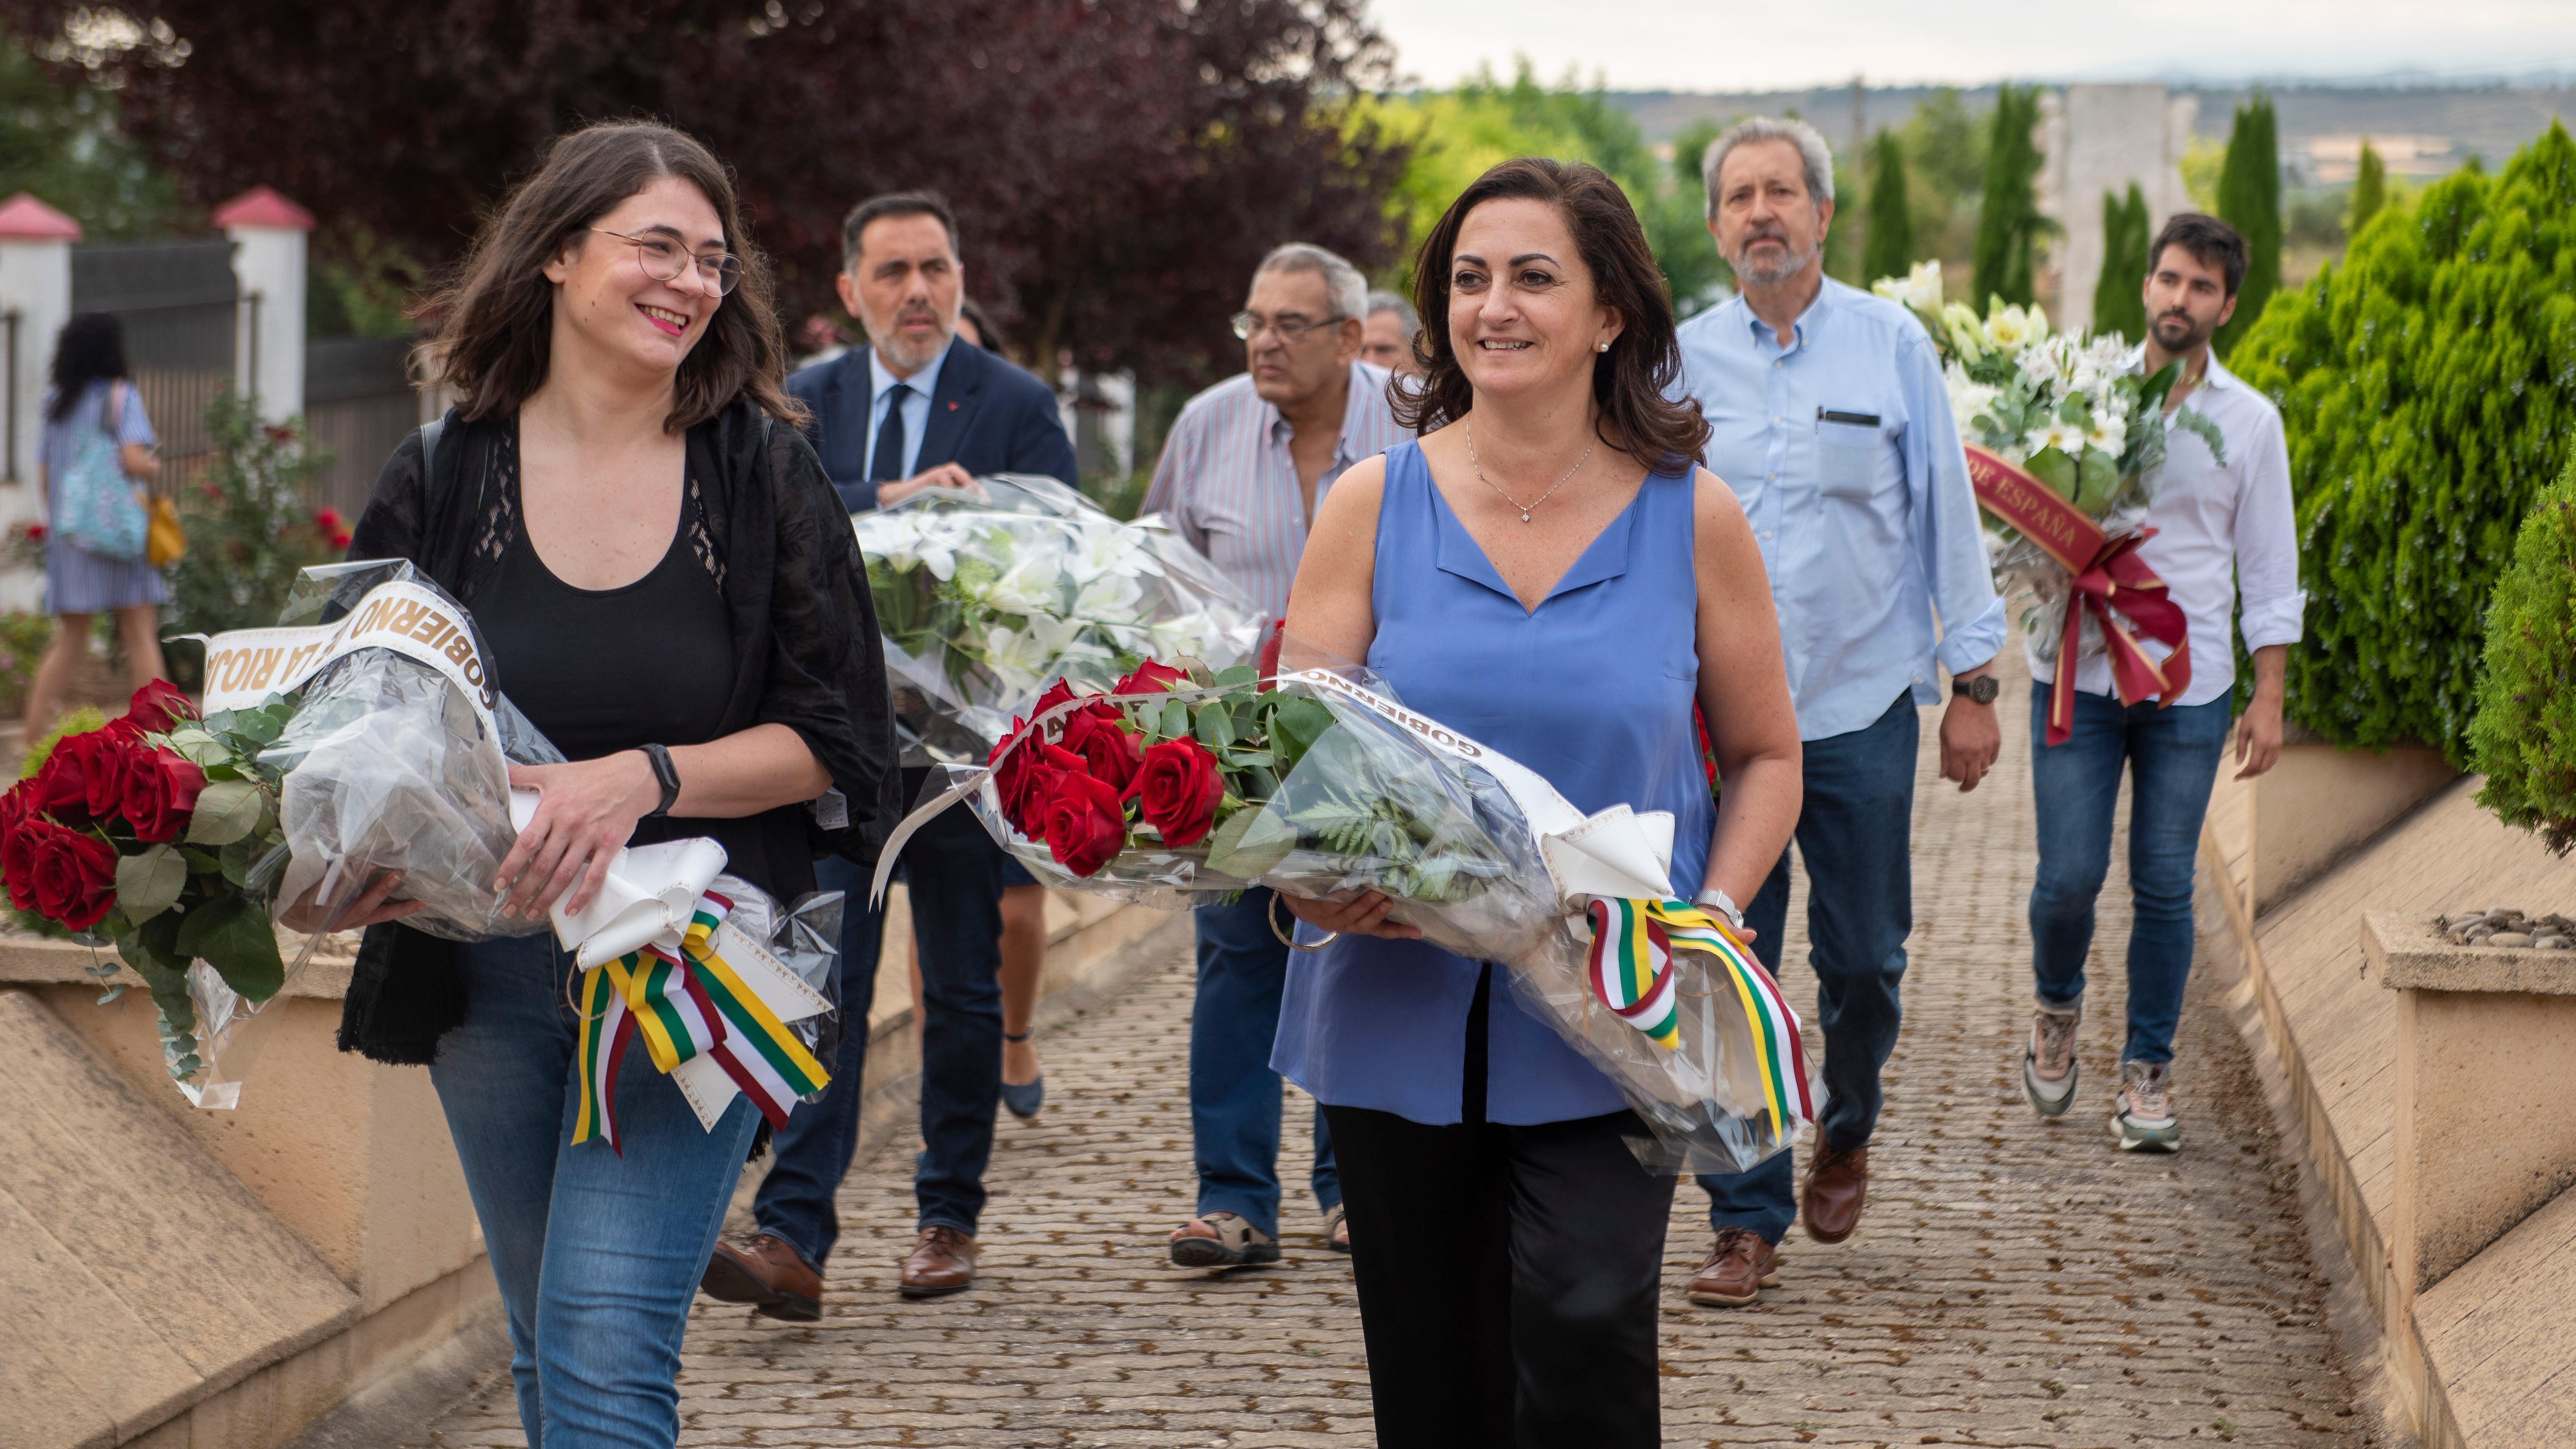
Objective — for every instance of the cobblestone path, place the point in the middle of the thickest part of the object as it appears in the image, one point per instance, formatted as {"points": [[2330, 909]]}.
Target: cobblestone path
{"points": [[2014, 1282]]}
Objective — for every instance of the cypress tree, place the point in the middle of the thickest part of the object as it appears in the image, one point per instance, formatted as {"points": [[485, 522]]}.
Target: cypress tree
{"points": [[2423, 385], [2369, 192], [2249, 199], [2117, 303], [2009, 225], [1891, 229]]}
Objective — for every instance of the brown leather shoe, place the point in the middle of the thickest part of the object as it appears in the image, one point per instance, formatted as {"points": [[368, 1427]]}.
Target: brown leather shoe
{"points": [[766, 1273], [942, 1262], [1837, 1186], [1738, 1271]]}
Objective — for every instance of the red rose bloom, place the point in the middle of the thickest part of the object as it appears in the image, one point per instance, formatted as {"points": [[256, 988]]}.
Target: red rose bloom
{"points": [[1178, 790], [84, 776], [160, 790], [1150, 678], [18, 843], [1086, 824], [1270, 653], [71, 875], [159, 706], [1057, 693], [1108, 751], [1022, 780]]}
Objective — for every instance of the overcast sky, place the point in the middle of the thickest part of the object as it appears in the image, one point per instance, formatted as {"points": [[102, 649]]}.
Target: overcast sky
{"points": [[1730, 45]]}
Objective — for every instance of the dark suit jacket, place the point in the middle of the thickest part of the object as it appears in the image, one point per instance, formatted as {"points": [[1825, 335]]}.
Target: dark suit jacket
{"points": [[986, 416]]}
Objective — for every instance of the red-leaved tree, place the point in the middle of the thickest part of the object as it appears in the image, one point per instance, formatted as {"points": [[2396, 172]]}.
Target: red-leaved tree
{"points": [[1118, 166]]}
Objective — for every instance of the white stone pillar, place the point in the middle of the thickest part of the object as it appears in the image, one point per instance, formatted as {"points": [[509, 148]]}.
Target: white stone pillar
{"points": [[268, 233], [35, 302]]}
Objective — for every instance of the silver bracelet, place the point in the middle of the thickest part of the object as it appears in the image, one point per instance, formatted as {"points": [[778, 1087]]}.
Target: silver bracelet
{"points": [[1717, 900]]}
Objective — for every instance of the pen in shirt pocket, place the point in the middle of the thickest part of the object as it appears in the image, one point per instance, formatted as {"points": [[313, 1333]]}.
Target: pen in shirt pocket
{"points": [[1857, 420]]}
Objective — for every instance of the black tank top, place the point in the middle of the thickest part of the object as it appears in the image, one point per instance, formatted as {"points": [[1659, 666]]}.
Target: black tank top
{"points": [[605, 670]]}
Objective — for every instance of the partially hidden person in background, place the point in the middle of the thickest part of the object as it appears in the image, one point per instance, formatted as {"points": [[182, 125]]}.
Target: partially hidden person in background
{"points": [[1387, 337], [1828, 417], [669, 590], [1517, 575], [917, 407], [2223, 529], [1248, 463], [94, 420]]}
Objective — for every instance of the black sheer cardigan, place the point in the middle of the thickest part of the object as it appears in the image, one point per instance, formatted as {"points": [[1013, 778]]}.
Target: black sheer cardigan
{"points": [[764, 521]]}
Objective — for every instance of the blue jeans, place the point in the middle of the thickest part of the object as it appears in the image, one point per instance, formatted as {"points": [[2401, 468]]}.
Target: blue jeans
{"points": [[1855, 838], [598, 1249], [2172, 757], [1234, 1095], [812, 1153], [954, 874]]}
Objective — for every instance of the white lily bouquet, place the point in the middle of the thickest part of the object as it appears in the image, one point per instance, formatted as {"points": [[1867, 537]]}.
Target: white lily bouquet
{"points": [[2065, 413], [986, 597]]}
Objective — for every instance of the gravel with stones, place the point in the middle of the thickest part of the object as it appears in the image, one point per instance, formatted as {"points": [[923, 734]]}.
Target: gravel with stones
{"points": [[2014, 1283]]}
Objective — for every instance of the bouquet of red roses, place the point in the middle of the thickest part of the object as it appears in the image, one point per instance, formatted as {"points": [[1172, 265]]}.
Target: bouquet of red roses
{"points": [[157, 831], [1185, 783]]}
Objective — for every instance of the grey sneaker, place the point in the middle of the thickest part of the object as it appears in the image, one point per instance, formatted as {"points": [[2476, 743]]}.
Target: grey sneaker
{"points": [[2142, 1114], [2048, 1060]]}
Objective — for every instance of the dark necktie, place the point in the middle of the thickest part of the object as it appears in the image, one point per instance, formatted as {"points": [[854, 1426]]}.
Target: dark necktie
{"points": [[887, 466]]}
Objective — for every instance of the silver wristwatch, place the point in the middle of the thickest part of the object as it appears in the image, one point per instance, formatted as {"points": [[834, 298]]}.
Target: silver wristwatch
{"points": [[1713, 899]]}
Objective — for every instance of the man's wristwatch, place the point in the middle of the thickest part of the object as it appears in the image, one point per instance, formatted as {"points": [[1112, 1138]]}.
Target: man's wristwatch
{"points": [[1980, 690], [1713, 899]]}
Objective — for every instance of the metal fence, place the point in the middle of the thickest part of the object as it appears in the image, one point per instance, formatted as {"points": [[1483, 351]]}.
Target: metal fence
{"points": [[181, 307], [359, 402]]}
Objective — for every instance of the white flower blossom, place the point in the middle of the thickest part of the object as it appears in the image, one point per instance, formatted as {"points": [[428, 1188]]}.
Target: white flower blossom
{"points": [[2064, 437], [1967, 398], [1101, 547], [1035, 586], [1919, 289], [1024, 659]]}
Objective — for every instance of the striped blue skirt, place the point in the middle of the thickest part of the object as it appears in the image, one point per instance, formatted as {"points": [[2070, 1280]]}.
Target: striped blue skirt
{"points": [[79, 582]]}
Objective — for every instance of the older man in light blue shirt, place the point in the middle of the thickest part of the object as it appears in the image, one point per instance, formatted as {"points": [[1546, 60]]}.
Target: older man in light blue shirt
{"points": [[1832, 424]]}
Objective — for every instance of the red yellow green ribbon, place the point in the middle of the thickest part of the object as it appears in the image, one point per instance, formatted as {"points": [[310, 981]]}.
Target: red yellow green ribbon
{"points": [[685, 1004], [1631, 971]]}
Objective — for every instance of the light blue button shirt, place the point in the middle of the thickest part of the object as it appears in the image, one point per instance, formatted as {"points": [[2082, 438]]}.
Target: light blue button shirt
{"points": [[1841, 449], [916, 405]]}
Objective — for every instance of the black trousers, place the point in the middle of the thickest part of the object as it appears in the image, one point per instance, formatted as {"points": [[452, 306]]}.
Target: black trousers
{"points": [[1508, 1277]]}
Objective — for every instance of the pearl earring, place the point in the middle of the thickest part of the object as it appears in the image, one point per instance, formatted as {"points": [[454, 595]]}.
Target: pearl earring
{"points": [[1600, 346]]}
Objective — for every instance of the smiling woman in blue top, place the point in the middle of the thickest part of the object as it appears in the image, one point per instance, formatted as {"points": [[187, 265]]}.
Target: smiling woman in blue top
{"points": [[1516, 574]]}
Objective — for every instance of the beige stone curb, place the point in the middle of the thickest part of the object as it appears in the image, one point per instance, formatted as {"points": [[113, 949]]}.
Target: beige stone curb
{"points": [[2410, 953]]}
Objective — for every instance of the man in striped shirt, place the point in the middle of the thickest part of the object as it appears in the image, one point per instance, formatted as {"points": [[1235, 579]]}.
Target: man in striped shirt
{"points": [[1246, 465]]}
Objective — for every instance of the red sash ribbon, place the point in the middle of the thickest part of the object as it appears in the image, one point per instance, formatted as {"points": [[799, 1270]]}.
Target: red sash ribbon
{"points": [[2103, 570]]}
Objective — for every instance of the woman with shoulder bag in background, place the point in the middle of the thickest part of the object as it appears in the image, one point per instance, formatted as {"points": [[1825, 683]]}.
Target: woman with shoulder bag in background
{"points": [[1520, 574], [669, 590], [97, 444]]}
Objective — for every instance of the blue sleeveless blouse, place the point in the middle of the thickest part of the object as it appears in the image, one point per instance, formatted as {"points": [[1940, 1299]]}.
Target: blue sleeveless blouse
{"points": [[1593, 691]]}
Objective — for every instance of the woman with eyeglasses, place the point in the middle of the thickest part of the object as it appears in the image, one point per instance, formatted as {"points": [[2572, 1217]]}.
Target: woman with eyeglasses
{"points": [[668, 588]]}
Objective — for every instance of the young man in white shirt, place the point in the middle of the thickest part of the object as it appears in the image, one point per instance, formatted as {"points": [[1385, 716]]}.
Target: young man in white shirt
{"points": [[2221, 526]]}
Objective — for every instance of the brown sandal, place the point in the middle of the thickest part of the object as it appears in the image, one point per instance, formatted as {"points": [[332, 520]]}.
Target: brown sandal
{"points": [[1337, 1229], [1237, 1243]]}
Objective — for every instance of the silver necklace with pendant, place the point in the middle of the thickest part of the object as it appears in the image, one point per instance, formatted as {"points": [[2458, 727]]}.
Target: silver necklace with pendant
{"points": [[1507, 498]]}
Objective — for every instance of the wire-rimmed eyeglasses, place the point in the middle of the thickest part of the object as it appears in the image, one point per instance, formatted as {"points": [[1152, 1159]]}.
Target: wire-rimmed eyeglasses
{"points": [[664, 260], [1246, 324]]}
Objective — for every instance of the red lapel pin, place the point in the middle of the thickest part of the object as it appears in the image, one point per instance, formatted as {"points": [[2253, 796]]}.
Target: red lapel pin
{"points": [[952, 407]]}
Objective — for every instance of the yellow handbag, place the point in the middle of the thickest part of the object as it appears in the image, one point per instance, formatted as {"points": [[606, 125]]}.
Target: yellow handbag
{"points": [[164, 541]]}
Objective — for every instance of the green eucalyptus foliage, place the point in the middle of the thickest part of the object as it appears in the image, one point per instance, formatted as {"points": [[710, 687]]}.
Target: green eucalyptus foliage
{"points": [[2524, 737], [2428, 386], [2249, 199]]}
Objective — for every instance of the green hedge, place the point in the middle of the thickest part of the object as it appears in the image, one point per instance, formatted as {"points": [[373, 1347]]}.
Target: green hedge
{"points": [[2524, 737], [2428, 385]]}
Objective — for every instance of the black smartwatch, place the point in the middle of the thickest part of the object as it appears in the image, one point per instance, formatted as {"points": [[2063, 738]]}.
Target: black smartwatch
{"points": [[1981, 690], [669, 775]]}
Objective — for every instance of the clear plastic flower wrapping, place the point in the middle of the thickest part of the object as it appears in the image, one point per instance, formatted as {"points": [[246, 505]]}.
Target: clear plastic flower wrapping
{"points": [[985, 601], [1371, 806]]}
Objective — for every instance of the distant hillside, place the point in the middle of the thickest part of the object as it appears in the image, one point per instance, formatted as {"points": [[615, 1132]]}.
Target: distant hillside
{"points": [[2422, 130]]}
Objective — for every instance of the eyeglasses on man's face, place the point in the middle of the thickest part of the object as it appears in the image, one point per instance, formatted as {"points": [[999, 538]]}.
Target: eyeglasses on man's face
{"points": [[1291, 328], [664, 260]]}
